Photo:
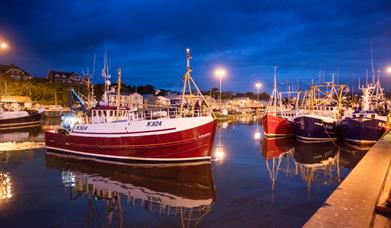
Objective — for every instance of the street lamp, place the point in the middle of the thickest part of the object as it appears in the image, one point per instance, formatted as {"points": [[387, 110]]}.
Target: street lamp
{"points": [[258, 85], [220, 72], [3, 45]]}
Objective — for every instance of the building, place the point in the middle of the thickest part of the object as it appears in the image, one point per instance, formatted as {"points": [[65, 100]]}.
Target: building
{"points": [[240, 102], [128, 100], [176, 100], [63, 77], [14, 72], [156, 101]]}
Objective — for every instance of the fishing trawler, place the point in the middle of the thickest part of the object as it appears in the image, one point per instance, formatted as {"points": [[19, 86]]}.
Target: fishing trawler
{"points": [[278, 119], [18, 119], [319, 123], [366, 125], [127, 135]]}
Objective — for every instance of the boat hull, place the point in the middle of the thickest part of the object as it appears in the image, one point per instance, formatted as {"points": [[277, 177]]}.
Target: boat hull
{"points": [[185, 145], [32, 120], [362, 131], [275, 126], [308, 128]]}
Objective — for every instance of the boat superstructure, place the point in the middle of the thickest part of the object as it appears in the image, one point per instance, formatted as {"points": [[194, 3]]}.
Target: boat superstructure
{"points": [[366, 124]]}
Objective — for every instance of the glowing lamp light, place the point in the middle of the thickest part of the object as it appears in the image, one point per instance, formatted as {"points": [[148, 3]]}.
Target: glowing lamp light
{"points": [[3, 45], [220, 72], [258, 85], [388, 70]]}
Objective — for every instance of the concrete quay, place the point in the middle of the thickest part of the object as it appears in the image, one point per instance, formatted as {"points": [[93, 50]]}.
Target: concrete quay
{"points": [[353, 203]]}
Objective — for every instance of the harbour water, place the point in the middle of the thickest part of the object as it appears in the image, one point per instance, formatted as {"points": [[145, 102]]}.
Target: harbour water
{"points": [[252, 182]]}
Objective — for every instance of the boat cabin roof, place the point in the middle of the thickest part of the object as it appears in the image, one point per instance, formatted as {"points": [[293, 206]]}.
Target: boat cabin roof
{"points": [[363, 112], [109, 108]]}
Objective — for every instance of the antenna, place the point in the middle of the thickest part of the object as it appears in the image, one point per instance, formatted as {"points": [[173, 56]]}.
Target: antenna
{"points": [[366, 79]]}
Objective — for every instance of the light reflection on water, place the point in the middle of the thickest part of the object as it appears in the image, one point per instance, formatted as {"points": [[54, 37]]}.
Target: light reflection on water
{"points": [[278, 182]]}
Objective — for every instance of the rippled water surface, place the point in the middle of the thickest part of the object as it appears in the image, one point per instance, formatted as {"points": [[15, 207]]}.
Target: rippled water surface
{"points": [[251, 182]]}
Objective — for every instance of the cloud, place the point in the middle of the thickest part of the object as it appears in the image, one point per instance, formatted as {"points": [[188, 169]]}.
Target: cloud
{"points": [[148, 38]]}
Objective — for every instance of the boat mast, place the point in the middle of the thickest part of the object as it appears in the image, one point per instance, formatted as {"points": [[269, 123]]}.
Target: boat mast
{"points": [[187, 82], [186, 79], [275, 92], [106, 76], [118, 92]]}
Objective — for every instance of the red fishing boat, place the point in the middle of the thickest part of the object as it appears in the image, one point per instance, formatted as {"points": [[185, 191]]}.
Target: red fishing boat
{"points": [[277, 124], [119, 134], [278, 119]]}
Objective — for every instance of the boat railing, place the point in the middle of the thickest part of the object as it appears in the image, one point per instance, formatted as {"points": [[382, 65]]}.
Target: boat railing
{"points": [[145, 114]]}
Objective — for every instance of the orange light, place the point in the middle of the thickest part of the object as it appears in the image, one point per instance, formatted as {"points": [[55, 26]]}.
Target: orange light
{"points": [[3, 45]]}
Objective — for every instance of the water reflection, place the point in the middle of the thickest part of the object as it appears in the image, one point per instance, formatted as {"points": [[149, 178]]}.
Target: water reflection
{"points": [[278, 156], [219, 151], [246, 119], [317, 162], [185, 192], [5, 186], [21, 139], [352, 154]]}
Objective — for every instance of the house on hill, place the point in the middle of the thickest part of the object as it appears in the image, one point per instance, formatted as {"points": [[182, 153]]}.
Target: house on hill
{"points": [[156, 101], [63, 77], [129, 100], [14, 72]]}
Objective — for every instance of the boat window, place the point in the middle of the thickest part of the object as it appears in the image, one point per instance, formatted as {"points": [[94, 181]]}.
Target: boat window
{"points": [[111, 113], [373, 116], [99, 113], [93, 113], [361, 115]]}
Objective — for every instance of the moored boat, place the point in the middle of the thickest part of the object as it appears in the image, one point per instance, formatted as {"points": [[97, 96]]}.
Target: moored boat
{"points": [[278, 118], [11, 120], [278, 124], [316, 128], [364, 126], [320, 122], [125, 135]]}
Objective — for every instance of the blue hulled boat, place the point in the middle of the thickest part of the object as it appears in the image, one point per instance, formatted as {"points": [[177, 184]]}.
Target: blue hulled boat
{"points": [[315, 128], [365, 127], [319, 122]]}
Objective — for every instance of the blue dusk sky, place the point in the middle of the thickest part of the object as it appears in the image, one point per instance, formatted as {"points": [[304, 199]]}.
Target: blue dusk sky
{"points": [[148, 39]]}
